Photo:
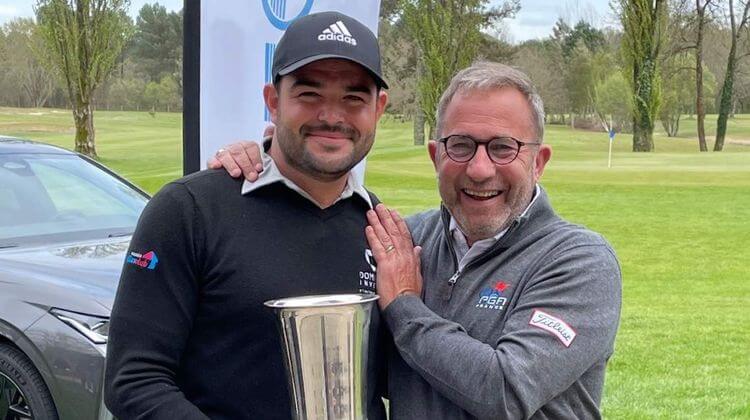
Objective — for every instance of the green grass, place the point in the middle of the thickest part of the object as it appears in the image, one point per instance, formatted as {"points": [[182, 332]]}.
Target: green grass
{"points": [[737, 128], [146, 150], [679, 220]]}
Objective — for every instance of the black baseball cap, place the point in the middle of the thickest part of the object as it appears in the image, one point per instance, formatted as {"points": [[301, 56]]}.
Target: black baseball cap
{"points": [[327, 35]]}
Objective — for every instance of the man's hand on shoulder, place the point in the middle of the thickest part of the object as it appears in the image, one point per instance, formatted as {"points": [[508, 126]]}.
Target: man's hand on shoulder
{"points": [[241, 158]]}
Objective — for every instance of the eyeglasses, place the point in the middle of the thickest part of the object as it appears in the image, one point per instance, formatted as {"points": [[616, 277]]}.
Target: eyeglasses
{"points": [[501, 150]]}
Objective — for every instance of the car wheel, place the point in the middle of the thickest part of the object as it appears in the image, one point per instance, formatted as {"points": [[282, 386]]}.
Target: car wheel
{"points": [[23, 393]]}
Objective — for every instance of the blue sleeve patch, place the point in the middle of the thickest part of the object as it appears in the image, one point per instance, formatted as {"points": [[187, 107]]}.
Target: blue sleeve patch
{"points": [[147, 260]]}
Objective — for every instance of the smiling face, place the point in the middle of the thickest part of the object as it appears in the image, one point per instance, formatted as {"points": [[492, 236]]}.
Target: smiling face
{"points": [[484, 197], [325, 115]]}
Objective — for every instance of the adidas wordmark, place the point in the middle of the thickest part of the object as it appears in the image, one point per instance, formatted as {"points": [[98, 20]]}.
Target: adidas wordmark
{"points": [[337, 32]]}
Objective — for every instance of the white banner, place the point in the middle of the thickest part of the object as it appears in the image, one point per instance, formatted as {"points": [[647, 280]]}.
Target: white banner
{"points": [[237, 42]]}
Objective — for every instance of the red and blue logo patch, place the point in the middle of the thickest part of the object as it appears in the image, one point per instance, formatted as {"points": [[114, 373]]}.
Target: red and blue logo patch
{"points": [[492, 297], [147, 260]]}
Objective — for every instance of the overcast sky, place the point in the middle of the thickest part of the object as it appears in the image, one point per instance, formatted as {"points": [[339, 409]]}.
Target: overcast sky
{"points": [[535, 20], [537, 17], [10, 9]]}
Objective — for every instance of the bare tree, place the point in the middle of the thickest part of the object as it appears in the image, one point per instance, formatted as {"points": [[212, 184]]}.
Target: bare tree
{"points": [[725, 105], [82, 40], [678, 90], [545, 64], [700, 112]]}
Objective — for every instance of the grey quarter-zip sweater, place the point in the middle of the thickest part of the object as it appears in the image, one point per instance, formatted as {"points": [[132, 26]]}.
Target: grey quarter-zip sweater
{"points": [[524, 330]]}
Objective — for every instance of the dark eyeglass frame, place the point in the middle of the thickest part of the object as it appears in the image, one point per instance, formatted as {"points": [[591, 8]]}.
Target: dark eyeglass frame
{"points": [[519, 144]]}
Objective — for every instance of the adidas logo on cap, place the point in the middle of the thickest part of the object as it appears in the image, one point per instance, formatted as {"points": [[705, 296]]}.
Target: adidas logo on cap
{"points": [[337, 32]]}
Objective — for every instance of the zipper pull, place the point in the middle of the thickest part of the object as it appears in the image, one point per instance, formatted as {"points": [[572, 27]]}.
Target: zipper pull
{"points": [[454, 278], [448, 291]]}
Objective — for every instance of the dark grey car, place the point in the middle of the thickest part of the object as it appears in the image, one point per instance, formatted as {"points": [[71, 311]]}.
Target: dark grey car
{"points": [[65, 224]]}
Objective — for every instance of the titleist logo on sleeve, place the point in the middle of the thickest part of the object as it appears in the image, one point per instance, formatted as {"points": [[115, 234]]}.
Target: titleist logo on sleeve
{"points": [[556, 326]]}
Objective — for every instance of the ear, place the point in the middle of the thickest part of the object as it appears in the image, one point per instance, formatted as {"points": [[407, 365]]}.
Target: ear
{"points": [[541, 159], [271, 98], [432, 148], [382, 101]]}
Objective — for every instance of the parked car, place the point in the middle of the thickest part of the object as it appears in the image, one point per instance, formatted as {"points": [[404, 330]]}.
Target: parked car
{"points": [[65, 224]]}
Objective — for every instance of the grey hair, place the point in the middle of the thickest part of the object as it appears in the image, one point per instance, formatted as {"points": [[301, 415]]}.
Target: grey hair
{"points": [[490, 75]]}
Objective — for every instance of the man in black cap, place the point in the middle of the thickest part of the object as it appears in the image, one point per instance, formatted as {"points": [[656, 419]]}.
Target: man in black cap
{"points": [[189, 335]]}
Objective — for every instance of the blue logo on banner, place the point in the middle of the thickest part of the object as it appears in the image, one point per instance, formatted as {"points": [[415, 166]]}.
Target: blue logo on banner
{"points": [[270, 48], [276, 12]]}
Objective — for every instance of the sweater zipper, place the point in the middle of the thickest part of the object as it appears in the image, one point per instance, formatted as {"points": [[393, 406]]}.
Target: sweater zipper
{"points": [[454, 278], [488, 254]]}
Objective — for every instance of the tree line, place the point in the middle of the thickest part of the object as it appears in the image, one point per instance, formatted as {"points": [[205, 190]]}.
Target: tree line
{"points": [[88, 54], [145, 74], [667, 59]]}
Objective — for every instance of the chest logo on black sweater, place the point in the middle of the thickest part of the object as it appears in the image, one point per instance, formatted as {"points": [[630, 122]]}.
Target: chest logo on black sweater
{"points": [[367, 278], [492, 297]]}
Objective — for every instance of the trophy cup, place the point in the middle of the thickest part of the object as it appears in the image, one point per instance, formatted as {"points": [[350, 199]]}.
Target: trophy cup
{"points": [[325, 350]]}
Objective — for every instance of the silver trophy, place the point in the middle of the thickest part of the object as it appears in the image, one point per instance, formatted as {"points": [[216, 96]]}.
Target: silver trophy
{"points": [[325, 347]]}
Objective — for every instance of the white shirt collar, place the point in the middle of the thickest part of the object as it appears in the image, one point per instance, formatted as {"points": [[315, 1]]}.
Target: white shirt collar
{"points": [[464, 252], [271, 174]]}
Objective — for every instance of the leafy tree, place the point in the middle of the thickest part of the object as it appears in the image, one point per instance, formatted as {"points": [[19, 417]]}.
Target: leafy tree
{"points": [[579, 45], [157, 42], [447, 33], [583, 71], [561, 31], [579, 79], [390, 10], [163, 95], [495, 49], [126, 93], [6, 93], [739, 29], [677, 92], [25, 76], [82, 40], [399, 55], [582, 33], [643, 24], [613, 104]]}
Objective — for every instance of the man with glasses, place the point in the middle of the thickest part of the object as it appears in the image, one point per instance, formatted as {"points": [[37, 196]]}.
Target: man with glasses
{"points": [[519, 309]]}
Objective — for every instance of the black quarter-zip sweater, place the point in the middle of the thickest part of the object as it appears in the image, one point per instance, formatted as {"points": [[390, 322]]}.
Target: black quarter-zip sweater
{"points": [[189, 335]]}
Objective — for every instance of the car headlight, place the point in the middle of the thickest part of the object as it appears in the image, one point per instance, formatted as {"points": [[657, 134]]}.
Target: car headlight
{"points": [[95, 328]]}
